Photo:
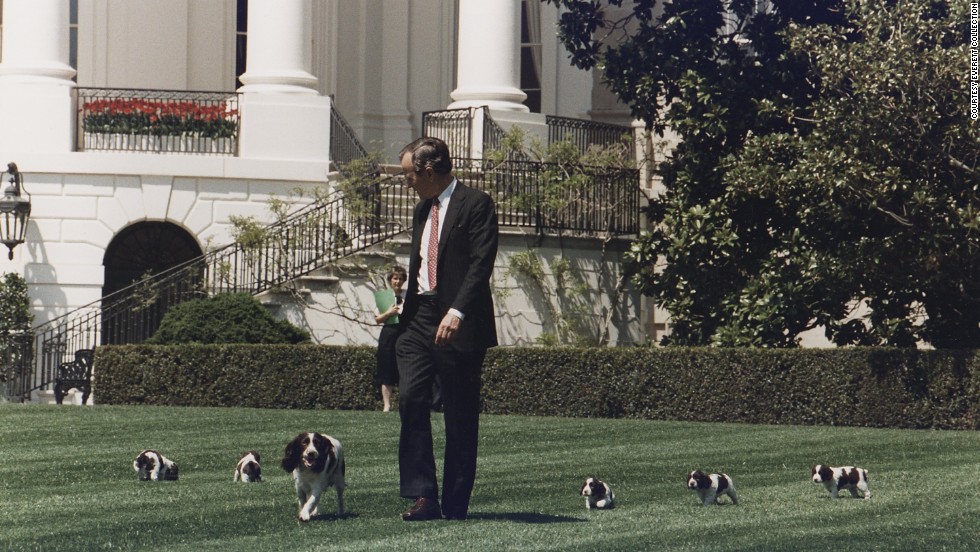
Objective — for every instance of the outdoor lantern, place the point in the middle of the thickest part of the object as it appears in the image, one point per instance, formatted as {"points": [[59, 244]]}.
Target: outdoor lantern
{"points": [[14, 211]]}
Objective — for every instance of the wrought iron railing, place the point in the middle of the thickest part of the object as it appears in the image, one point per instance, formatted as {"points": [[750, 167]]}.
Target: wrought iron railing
{"points": [[15, 372], [529, 194], [346, 147], [454, 127], [157, 121], [457, 127], [584, 133]]}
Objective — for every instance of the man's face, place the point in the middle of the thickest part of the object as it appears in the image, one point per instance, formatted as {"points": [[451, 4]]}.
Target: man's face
{"points": [[423, 182]]}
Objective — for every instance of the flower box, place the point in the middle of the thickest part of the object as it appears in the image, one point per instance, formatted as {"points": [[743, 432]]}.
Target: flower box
{"points": [[159, 126]]}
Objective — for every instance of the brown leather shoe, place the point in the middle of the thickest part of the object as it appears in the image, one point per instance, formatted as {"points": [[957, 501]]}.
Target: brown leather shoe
{"points": [[424, 509]]}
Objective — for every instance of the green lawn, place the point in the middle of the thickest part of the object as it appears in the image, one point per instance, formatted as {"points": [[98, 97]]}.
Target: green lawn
{"points": [[67, 483]]}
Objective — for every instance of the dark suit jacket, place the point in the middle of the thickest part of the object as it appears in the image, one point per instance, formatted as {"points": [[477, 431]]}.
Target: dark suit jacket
{"points": [[467, 251]]}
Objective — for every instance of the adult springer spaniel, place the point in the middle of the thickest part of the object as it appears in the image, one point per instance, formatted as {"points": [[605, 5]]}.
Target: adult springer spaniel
{"points": [[710, 486], [248, 468], [316, 462], [846, 477], [150, 465]]}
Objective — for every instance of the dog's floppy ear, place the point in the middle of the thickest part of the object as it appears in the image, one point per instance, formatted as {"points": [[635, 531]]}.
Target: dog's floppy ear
{"points": [[326, 443], [290, 458], [329, 454]]}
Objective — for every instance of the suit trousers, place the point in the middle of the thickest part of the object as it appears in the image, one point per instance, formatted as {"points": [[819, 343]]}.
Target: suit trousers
{"points": [[459, 372]]}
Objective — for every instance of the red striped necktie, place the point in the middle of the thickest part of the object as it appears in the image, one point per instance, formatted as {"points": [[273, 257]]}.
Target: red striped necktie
{"points": [[433, 244]]}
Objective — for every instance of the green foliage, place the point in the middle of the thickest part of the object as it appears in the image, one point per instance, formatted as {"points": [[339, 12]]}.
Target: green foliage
{"points": [[15, 305], [871, 195], [567, 184], [15, 319], [225, 318], [563, 293], [565, 190], [701, 68], [247, 232], [258, 376], [875, 387], [826, 173], [359, 188]]}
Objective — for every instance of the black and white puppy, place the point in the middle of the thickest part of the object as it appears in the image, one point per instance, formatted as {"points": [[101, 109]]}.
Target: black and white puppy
{"points": [[150, 465], [316, 462], [846, 477], [248, 468], [597, 494], [710, 486]]}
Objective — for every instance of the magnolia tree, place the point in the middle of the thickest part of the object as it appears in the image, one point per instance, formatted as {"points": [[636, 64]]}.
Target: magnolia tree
{"points": [[825, 174]]}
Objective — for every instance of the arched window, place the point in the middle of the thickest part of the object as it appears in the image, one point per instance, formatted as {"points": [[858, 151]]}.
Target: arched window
{"points": [[142, 249]]}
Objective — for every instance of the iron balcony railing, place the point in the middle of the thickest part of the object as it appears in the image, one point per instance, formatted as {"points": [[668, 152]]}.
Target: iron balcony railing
{"points": [[584, 133], [459, 128], [157, 121], [555, 199]]}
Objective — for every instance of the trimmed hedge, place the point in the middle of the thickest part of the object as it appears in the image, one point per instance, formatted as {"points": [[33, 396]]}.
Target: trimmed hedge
{"points": [[874, 387], [257, 376], [225, 318]]}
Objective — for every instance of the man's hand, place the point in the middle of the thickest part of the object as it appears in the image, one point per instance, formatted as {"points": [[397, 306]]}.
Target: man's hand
{"points": [[447, 329]]}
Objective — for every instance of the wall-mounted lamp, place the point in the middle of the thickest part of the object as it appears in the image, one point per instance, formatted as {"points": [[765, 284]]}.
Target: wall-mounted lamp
{"points": [[14, 211]]}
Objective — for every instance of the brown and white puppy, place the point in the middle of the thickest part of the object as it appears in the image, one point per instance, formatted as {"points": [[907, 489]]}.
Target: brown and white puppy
{"points": [[597, 494], [150, 465], [248, 468], [846, 477], [710, 486], [316, 462]]}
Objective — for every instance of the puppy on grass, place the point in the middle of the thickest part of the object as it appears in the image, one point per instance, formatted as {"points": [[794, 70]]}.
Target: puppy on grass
{"points": [[248, 469], [710, 486], [838, 479], [598, 494], [150, 465]]}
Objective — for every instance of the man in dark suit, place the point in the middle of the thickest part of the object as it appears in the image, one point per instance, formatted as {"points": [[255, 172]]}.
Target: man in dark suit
{"points": [[448, 325]]}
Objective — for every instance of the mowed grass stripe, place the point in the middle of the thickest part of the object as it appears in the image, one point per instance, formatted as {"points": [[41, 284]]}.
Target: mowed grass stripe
{"points": [[66, 483]]}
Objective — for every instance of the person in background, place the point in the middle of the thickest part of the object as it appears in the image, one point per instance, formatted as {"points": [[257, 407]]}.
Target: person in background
{"points": [[447, 326], [386, 372]]}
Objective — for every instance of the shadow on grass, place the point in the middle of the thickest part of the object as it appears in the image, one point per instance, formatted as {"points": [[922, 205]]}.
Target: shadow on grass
{"points": [[525, 517], [330, 517]]}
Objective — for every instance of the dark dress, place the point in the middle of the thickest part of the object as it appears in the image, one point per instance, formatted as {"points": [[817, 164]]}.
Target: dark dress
{"points": [[386, 372]]}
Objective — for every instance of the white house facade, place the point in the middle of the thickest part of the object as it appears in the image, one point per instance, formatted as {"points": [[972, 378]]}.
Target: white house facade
{"points": [[256, 87]]}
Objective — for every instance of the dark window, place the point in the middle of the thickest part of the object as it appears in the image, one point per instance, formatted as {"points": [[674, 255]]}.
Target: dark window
{"points": [[73, 35], [531, 54], [140, 250], [241, 28]]}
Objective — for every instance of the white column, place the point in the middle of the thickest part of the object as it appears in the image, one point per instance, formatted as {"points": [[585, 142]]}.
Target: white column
{"points": [[35, 78], [489, 53], [283, 116], [279, 56]]}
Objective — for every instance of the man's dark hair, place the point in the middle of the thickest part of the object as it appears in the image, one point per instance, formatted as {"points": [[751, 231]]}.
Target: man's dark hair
{"points": [[429, 152]]}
